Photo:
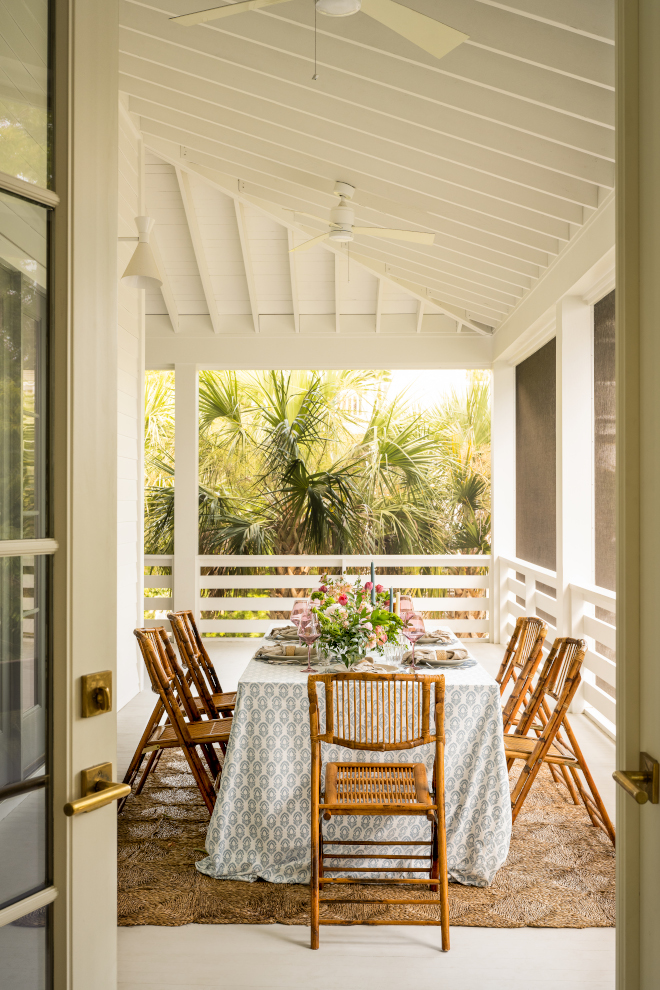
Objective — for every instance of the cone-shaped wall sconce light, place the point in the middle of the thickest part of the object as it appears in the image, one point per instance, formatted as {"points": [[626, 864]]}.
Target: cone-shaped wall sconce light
{"points": [[142, 270]]}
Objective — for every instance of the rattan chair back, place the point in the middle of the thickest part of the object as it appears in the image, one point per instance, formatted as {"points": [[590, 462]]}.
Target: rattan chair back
{"points": [[190, 642], [376, 712], [559, 680], [167, 677], [526, 642]]}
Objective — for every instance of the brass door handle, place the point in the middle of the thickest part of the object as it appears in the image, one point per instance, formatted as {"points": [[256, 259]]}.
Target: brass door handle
{"points": [[644, 784], [97, 790]]}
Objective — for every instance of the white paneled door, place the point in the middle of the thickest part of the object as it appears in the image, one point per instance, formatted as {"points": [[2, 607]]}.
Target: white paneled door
{"points": [[638, 466]]}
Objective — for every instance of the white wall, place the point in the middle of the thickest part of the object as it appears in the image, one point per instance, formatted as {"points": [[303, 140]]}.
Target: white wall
{"points": [[130, 385]]}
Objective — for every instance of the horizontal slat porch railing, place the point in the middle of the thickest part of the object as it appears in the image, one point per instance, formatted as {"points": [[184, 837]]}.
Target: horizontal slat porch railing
{"points": [[527, 589], [599, 671], [240, 585]]}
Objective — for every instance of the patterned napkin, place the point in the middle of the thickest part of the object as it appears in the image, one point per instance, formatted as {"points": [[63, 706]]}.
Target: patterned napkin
{"points": [[283, 653], [283, 633], [436, 656], [371, 666], [438, 636]]}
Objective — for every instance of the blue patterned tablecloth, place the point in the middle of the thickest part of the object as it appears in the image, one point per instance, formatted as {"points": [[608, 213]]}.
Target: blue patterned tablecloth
{"points": [[260, 824]]}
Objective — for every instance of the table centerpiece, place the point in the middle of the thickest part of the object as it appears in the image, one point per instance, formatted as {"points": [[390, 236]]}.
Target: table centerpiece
{"points": [[354, 618]]}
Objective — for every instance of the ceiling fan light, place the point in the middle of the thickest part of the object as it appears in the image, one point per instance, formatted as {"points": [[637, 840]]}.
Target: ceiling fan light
{"points": [[338, 8], [341, 234]]}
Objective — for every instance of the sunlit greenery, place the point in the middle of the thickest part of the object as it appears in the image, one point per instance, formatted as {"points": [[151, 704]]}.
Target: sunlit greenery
{"points": [[314, 462]]}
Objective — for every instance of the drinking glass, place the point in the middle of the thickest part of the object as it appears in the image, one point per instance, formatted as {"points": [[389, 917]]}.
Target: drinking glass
{"points": [[309, 631], [300, 608], [413, 629]]}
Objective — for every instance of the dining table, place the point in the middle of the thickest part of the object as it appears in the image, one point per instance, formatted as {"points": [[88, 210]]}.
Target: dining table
{"points": [[260, 826]]}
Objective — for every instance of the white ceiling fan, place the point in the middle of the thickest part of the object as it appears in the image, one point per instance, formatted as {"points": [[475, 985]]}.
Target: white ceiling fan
{"points": [[342, 228], [425, 32]]}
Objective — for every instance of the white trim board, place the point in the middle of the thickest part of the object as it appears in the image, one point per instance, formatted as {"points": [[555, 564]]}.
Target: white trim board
{"points": [[322, 351], [590, 251]]}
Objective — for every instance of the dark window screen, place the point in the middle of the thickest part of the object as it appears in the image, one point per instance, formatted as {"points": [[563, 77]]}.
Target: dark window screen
{"points": [[604, 441], [536, 400]]}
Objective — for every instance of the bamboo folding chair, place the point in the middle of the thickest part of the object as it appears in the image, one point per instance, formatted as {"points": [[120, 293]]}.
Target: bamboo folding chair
{"points": [[186, 727], [214, 703], [201, 671], [554, 742], [378, 714]]}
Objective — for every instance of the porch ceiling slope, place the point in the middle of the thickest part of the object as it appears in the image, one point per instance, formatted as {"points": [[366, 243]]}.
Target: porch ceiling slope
{"points": [[586, 264], [503, 149]]}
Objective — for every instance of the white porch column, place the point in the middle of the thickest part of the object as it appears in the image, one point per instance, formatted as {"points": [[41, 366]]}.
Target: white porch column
{"points": [[186, 490], [503, 484], [575, 514]]}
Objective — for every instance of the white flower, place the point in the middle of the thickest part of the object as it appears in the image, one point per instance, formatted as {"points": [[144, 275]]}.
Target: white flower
{"points": [[366, 625]]}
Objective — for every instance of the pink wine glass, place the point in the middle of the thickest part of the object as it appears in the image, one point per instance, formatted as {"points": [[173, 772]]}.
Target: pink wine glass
{"points": [[413, 629], [301, 608], [309, 631]]}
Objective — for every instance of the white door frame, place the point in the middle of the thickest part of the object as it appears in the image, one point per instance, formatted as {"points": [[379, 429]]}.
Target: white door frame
{"points": [[84, 396], [638, 483]]}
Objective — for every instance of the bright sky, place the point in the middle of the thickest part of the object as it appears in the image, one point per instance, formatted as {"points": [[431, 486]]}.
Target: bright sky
{"points": [[426, 388]]}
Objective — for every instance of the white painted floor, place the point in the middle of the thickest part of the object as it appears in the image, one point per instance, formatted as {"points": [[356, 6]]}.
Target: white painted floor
{"points": [[247, 957]]}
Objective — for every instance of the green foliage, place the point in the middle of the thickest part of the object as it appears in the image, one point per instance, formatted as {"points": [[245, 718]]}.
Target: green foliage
{"points": [[324, 462]]}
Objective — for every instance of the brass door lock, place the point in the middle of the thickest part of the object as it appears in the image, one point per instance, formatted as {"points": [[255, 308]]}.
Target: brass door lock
{"points": [[96, 693], [644, 784]]}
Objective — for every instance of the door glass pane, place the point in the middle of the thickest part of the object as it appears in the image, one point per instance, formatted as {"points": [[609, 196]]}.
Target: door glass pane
{"points": [[24, 952], [23, 844], [24, 115], [23, 329], [24, 709]]}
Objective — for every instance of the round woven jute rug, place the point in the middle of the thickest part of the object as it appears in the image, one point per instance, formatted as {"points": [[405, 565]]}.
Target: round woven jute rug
{"points": [[559, 872]]}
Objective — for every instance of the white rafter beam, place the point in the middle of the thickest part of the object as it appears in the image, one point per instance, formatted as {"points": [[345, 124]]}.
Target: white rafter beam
{"points": [[198, 246], [227, 185], [338, 256], [166, 288], [247, 263], [293, 271], [379, 304], [420, 316]]}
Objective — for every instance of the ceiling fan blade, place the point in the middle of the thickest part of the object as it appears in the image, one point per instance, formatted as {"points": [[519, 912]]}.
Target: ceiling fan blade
{"points": [[425, 32], [416, 236], [312, 216], [202, 16], [309, 244]]}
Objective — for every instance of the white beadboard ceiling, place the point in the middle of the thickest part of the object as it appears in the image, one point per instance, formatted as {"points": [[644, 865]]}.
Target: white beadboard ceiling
{"points": [[504, 149]]}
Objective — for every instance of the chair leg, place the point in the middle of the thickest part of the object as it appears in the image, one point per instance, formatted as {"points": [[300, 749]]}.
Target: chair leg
{"points": [[147, 770], [138, 756], [201, 777], [441, 824], [591, 783], [317, 838], [434, 872], [520, 791]]}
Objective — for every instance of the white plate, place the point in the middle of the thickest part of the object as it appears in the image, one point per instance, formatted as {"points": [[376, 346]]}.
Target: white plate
{"points": [[282, 659], [442, 663]]}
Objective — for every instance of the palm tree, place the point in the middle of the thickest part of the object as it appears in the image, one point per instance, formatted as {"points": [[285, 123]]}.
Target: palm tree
{"points": [[289, 465]]}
